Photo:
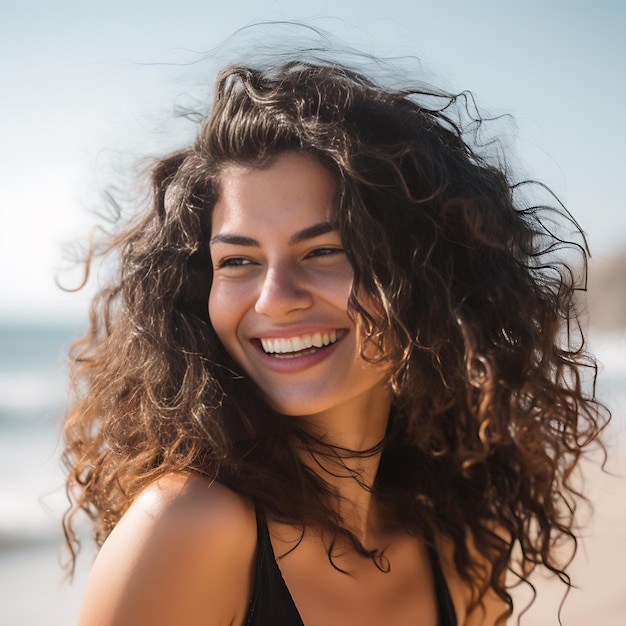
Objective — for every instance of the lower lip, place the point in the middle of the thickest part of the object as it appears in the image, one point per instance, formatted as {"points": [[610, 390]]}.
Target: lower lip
{"points": [[293, 364]]}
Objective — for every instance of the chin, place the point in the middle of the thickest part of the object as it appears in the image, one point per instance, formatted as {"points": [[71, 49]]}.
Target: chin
{"points": [[295, 409]]}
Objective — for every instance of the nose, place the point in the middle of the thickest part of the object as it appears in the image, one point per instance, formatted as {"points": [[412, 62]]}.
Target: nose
{"points": [[284, 290]]}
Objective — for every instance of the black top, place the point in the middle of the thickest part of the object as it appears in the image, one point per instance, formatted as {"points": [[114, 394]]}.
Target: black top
{"points": [[272, 605]]}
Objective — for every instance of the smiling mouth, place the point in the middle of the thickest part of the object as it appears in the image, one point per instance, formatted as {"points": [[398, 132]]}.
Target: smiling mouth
{"points": [[301, 345]]}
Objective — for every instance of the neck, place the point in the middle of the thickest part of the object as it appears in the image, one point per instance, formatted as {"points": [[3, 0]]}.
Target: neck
{"points": [[347, 457]]}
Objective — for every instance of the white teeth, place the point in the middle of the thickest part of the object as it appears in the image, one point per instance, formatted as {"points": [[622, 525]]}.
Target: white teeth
{"points": [[297, 344], [280, 345]]}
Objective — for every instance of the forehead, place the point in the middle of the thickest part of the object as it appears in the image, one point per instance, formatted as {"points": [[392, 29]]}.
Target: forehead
{"points": [[293, 188]]}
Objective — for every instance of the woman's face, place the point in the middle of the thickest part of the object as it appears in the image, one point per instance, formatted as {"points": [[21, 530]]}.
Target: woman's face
{"points": [[279, 298]]}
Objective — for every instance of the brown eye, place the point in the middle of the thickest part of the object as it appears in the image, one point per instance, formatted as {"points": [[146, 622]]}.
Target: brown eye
{"points": [[234, 262], [322, 252]]}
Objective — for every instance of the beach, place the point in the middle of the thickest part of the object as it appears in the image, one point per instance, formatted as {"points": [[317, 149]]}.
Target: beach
{"points": [[34, 591], [32, 587], [599, 593]]}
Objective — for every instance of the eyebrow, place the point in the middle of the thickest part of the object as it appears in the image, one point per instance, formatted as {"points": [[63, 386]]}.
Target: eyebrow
{"points": [[310, 232]]}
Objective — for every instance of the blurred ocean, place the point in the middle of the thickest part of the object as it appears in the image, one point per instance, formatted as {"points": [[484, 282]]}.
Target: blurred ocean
{"points": [[33, 385]]}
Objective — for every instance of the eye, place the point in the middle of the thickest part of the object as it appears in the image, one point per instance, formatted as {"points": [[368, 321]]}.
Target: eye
{"points": [[234, 261], [325, 252]]}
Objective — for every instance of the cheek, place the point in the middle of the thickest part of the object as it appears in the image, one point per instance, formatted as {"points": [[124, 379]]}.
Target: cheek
{"points": [[218, 312], [227, 306]]}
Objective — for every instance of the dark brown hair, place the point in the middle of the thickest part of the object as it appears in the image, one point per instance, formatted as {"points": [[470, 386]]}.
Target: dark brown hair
{"points": [[473, 307]]}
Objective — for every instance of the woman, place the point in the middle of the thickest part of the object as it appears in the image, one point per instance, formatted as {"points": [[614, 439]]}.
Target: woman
{"points": [[332, 381]]}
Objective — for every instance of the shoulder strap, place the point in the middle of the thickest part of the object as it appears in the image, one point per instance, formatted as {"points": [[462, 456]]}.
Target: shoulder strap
{"points": [[445, 608], [271, 602]]}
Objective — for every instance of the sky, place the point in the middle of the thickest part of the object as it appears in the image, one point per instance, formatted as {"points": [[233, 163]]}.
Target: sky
{"points": [[88, 89]]}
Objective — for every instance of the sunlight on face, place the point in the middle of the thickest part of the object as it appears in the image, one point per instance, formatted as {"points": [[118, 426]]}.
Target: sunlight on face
{"points": [[279, 298]]}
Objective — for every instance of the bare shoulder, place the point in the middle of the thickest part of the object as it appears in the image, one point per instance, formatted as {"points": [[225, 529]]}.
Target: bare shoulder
{"points": [[194, 500], [181, 554], [491, 610]]}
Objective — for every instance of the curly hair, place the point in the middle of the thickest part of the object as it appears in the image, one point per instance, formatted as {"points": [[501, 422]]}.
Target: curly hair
{"points": [[473, 306]]}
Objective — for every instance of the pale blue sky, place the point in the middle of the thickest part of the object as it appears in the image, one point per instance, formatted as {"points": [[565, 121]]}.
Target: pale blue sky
{"points": [[80, 82]]}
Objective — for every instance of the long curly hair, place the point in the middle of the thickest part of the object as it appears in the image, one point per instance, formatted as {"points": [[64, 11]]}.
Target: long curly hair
{"points": [[471, 299]]}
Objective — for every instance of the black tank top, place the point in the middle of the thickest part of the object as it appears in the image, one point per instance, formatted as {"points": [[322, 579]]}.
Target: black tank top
{"points": [[271, 603]]}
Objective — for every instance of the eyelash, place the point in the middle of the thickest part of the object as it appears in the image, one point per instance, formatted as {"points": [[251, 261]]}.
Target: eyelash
{"points": [[325, 251], [235, 261], [242, 262]]}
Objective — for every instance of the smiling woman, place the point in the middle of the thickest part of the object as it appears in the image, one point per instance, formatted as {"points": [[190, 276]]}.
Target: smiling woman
{"points": [[381, 412]]}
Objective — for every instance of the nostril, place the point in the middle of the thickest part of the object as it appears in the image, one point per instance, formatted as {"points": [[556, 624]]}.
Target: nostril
{"points": [[282, 291]]}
